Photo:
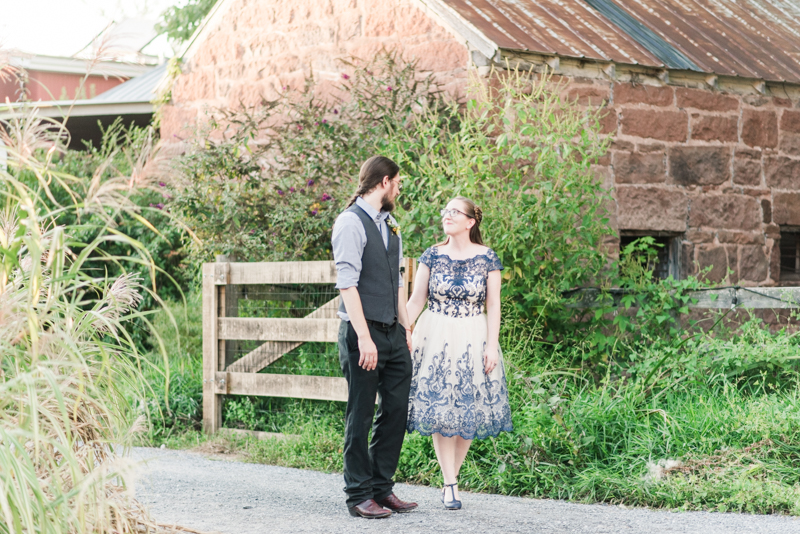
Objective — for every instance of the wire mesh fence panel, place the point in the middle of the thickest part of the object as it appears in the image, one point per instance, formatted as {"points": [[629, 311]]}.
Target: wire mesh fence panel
{"points": [[281, 301]]}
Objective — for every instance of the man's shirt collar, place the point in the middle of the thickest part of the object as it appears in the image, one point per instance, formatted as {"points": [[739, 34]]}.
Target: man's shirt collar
{"points": [[377, 216]]}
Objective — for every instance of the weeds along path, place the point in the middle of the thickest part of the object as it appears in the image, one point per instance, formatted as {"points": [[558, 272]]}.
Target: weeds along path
{"points": [[231, 497]]}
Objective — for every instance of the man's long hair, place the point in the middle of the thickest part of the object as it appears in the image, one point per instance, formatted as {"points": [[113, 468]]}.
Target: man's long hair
{"points": [[372, 172]]}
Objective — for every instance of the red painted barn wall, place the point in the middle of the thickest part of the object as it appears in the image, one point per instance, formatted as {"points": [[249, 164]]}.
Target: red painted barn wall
{"points": [[56, 86]]}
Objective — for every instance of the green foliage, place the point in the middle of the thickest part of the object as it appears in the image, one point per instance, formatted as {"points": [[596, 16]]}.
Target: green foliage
{"points": [[180, 22], [635, 310], [524, 155], [153, 241], [266, 183], [173, 399]]}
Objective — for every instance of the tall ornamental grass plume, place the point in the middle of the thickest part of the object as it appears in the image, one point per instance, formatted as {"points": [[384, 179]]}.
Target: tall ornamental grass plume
{"points": [[67, 362]]}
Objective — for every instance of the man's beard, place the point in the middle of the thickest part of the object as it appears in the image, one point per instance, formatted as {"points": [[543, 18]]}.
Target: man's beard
{"points": [[387, 204]]}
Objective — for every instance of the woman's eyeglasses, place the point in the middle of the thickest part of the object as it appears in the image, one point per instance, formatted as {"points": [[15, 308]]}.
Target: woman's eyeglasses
{"points": [[452, 212]]}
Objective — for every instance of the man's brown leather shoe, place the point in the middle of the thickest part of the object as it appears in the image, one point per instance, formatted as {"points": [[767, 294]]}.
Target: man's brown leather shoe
{"points": [[396, 505], [369, 509]]}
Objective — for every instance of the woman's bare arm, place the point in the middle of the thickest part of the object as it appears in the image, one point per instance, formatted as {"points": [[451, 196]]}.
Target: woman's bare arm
{"points": [[492, 355], [420, 295]]}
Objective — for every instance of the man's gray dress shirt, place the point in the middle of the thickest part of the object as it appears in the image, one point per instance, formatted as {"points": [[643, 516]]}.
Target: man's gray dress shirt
{"points": [[350, 238]]}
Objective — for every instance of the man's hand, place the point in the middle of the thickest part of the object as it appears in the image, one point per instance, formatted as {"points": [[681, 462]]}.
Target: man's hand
{"points": [[369, 353], [408, 338]]}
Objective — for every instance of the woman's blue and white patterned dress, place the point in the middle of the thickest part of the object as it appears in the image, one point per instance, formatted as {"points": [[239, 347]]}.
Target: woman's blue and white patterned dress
{"points": [[450, 392]]}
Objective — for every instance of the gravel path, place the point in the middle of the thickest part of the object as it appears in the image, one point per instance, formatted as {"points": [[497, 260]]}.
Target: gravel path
{"points": [[231, 497]]}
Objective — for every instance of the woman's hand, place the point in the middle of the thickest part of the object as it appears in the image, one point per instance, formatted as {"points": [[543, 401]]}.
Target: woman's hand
{"points": [[408, 338], [491, 357]]}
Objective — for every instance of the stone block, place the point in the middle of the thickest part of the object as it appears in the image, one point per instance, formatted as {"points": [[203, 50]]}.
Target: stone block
{"points": [[616, 144], [753, 263], [688, 264], [781, 102], [715, 259], [646, 148], [588, 95], [748, 153], [782, 172], [662, 125], [633, 168], [746, 171], [705, 100], [760, 128], [740, 238], [608, 121], [731, 212], [772, 231], [651, 208], [699, 165], [733, 264], [715, 128], [786, 209], [775, 263], [696, 236], [790, 144], [653, 95], [766, 211], [756, 100], [790, 121]]}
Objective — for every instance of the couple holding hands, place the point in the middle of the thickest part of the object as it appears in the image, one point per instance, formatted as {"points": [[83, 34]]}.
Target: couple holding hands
{"points": [[445, 380]]}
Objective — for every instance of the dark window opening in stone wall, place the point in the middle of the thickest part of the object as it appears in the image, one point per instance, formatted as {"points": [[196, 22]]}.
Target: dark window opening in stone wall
{"points": [[668, 245], [790, 254]]}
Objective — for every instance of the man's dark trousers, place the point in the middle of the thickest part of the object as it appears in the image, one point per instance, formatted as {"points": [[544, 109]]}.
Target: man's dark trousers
{"points": [[368, 472]]}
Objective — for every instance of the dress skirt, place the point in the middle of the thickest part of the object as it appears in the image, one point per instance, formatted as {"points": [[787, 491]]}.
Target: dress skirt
{"points": [[450, 392]]}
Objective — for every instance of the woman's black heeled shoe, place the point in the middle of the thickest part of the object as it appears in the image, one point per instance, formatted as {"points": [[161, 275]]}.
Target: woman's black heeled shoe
{"points": [[453, 504]]}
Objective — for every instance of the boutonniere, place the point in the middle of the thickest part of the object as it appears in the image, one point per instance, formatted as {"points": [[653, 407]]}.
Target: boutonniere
{"points": [[393, 226]]}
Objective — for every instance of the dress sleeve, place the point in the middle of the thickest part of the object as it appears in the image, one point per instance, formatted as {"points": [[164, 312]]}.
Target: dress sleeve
{"points": [[427, 257], [494, 261]]}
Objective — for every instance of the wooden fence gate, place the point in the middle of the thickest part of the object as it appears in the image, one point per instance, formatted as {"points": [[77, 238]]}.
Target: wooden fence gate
{"points": [[255, 313]]}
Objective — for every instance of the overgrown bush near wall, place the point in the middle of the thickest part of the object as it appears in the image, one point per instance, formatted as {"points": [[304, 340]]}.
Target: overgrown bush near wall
{"points": [[524, 155], [66, 357], [266, 183]]}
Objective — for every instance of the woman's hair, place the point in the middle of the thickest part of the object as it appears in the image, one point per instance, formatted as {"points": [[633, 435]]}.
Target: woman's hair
{"points": [[372, 172], [473, 211]]}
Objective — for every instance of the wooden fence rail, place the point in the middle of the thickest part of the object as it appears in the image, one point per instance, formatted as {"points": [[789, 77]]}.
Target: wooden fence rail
{"points": [[226, 374]]}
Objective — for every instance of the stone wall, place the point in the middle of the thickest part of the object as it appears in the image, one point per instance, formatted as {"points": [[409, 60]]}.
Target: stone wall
{"points": [[721, 170], [261, 46]]}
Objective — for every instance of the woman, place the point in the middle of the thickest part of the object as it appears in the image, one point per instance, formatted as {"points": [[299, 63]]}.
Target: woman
{"points": [[458, 387]]}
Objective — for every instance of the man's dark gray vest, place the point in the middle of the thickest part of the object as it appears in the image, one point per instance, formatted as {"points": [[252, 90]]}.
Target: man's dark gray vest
{"points": [[380, 273]]}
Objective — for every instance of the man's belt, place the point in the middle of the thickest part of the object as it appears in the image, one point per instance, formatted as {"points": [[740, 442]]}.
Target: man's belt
{"points": [[383, 326]]}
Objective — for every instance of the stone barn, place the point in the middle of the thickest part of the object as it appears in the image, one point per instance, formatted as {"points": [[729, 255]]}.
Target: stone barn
{"points": [[703, 99]]}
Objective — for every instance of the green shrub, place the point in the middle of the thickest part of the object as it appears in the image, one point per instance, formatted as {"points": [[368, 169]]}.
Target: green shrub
{"points": [[266, 183], [525, 155]]}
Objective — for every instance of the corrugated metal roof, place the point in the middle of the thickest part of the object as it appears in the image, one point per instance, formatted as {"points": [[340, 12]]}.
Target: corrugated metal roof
{"points": [[139, 89], [751, 38]]}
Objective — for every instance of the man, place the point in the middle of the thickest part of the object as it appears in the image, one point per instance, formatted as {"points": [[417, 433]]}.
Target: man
{"points": [[374, 340]]}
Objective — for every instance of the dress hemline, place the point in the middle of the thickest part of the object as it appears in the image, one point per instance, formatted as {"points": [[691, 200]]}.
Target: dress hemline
{"points": [[452, 434]]}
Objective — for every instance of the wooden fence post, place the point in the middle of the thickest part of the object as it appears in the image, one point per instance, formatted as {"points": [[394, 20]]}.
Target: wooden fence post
{"points": [[214, 282]]}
